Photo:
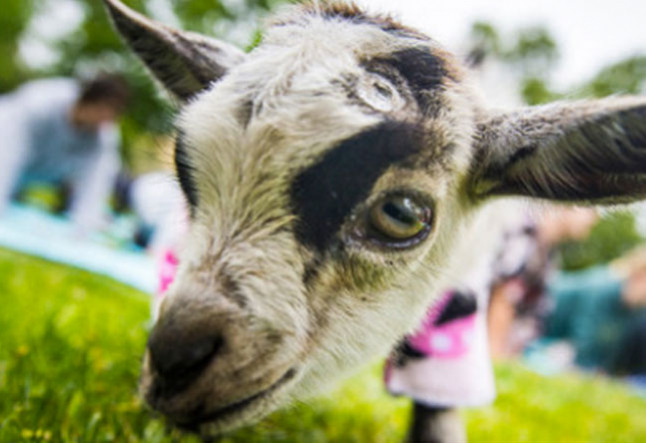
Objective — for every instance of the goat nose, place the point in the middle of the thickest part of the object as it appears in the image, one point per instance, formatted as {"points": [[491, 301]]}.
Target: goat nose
{"points": [[179, 355]]}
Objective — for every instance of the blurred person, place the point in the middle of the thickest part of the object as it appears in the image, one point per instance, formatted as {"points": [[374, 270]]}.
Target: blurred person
{"points": [[630, 358], [445, 364], [63, 133], [518, 304], [156, 199], [159, 203], [601, 312]]}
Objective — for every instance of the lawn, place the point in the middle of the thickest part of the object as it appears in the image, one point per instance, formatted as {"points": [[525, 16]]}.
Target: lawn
{"points": [[70, 345]]}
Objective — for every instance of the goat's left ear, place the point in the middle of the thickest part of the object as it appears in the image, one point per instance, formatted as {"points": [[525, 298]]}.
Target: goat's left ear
{"points": [[185, 62], [588, 152]]}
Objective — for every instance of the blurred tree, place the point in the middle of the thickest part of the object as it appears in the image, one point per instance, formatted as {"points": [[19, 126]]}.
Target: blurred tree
{"points": [[625, 77], [614, 235], [532, 53], [531, 49], [14, 19], [535, 53], [529, 53], [201, 15], [536, 91], [534, 50], [485, 42], [94, 46]]}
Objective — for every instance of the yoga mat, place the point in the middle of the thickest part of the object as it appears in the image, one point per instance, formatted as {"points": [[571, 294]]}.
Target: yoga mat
{"points": [[36, 232]]}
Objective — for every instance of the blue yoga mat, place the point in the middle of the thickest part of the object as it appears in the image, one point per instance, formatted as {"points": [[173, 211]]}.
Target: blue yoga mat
{"points": [[35, 232]]}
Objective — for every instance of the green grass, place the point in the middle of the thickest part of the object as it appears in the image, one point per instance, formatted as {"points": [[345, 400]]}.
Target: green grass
{"points": [[70, 346]]}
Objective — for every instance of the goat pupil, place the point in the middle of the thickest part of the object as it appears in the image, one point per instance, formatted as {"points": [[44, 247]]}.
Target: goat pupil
{"points": [[400, 212]]}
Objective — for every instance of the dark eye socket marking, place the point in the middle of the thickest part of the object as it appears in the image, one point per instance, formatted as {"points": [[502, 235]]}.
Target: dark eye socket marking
{"points": [[423, 71], [324, 194], [185, 171]]}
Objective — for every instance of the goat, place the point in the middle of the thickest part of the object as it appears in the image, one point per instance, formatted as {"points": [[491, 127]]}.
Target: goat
{"points": [[332, 174]]}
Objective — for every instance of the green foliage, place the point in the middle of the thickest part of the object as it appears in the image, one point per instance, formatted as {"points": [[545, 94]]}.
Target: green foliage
{"points": [[14, 19], [486, 38], [202, 15], [611, 237], [625, 77], [534, 45], [70, 350], [535, 91], [532, 50]]}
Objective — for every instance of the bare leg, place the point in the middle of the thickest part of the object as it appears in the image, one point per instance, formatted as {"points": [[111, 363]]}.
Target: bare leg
{"points": [[436, 425], [500, 318]]}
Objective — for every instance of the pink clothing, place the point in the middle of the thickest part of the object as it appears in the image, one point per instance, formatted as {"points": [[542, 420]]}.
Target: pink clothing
{"points": [[448, 340], [167, 272], [445, 363]]}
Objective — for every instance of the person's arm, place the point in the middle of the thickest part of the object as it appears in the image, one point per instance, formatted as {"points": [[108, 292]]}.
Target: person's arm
{"points": [[14, 150], [157, 199], [93, 186]]}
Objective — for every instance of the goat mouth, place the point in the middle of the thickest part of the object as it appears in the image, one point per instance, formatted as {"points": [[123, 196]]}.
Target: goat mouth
{"points": [[199, 417]]}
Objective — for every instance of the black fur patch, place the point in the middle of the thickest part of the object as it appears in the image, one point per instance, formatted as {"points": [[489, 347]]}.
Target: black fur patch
{"points": [[185, 171], [423, 71], [324, 194]]}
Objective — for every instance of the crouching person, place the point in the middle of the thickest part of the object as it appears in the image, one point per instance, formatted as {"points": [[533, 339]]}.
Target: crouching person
{"points": [[63, 133], [445, 364]]}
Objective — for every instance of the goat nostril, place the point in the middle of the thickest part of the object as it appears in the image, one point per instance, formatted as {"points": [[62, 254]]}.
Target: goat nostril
{"points": [[179, 359]]}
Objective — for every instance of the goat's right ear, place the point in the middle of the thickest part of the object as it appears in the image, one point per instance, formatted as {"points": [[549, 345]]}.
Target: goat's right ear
{"points": [[186, 63], [587, 152]]}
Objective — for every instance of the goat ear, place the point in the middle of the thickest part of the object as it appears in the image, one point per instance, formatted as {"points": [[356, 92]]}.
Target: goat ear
{"points": [[186, 63], [588, 152]]}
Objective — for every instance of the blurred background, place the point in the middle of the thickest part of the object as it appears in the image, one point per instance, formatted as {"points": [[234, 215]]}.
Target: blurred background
{"points": [[71, 340], [44, 38]]}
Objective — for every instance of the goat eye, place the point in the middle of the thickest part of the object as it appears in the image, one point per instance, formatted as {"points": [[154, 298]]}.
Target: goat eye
{"points": [[399, 218]]}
